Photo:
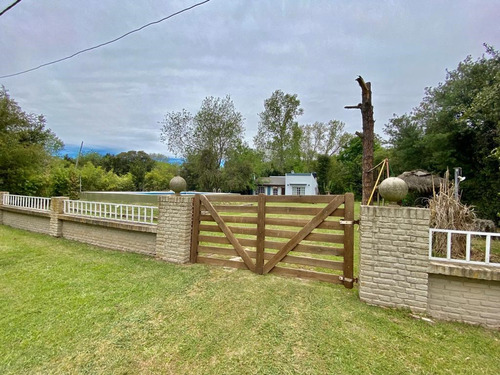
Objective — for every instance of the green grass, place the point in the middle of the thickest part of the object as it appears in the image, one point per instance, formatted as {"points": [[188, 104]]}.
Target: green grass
{"points": [[69, 308]]}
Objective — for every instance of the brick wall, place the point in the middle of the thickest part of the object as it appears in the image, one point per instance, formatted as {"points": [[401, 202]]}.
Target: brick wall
{"points": [[394, 256], [117, 237], [395, 270], [173, 242], [466, 300], [175, 221], [28, 220]]}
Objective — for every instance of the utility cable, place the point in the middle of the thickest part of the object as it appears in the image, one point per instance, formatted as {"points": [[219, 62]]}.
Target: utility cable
{"points": [[9, 7], [106, 43]]}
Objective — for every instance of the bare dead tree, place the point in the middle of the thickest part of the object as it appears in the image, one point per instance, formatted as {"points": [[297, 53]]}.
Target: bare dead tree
{"points": [[367, 136]]}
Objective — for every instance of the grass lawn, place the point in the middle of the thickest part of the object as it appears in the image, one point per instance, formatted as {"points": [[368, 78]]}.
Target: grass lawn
{"points": [[69, 308]]}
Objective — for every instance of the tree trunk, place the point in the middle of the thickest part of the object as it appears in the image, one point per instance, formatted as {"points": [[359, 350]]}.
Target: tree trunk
{"points": [[367, 137]]}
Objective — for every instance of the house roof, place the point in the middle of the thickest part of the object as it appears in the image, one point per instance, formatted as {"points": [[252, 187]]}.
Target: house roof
{"points": [[272, 180]]}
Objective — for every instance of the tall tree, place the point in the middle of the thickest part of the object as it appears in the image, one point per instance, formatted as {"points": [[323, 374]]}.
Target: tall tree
{"points": [[205, 139], [279, 135], [457, 124], [241, 169], [26, 148], [322, 139]]}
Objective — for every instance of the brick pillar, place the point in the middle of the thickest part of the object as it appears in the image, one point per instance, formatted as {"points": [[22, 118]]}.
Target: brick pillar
{"points": [[175, 219], [394, 257], [2, 193], [56, 209]]}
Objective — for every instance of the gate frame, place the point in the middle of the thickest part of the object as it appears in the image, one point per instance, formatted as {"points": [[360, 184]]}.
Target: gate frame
{"points": [[262, 268]]}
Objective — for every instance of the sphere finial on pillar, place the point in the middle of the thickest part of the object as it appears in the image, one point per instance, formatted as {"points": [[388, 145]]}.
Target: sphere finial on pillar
{"points": [[393, 189], [178, 184]]}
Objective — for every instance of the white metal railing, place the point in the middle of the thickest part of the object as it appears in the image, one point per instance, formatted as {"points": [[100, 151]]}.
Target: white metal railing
{"points": [[449, 233], [24, 201], [114, 211]]}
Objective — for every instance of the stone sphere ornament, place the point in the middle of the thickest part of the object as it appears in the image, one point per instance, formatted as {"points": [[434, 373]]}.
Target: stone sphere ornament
{"points": [[177, 184], [393, 189]]}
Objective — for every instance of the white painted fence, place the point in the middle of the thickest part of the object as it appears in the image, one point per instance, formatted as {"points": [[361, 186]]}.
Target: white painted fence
{"points": [[469, 235], [24, 201], [114, 211]]}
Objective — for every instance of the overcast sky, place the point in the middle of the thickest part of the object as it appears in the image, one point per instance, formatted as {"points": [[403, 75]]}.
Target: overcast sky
{"points": [[115, 97]]}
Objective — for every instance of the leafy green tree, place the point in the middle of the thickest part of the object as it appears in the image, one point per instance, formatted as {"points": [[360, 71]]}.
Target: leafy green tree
{"points": [[201, 171], [26, 149], [322, 170], [158, 179], [322, 139], [279, 135], [64, 179], [457, 124], [240, 170], [137, 163], [204, 140], [406, 137]]}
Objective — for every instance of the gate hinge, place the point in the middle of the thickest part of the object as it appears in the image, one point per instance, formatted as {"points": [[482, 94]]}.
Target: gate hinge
{"points": [[342, 278], [349, 222]]}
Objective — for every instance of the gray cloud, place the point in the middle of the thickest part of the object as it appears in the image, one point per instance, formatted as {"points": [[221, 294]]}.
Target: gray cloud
{"points": [[116, 96]]}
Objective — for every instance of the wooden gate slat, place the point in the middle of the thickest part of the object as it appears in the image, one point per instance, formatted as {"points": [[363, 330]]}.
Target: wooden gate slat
{"points": [[282, 222], [295, 272], [291, 259], [294, 241], [234, 241], [222, 262]]}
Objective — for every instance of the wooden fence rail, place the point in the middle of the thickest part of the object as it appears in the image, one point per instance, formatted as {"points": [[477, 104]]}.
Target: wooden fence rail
{"points": [[302, 236]]}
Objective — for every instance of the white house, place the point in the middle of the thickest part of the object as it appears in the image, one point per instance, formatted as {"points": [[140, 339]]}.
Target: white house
{"points": [[289, 184], [301, 184]]}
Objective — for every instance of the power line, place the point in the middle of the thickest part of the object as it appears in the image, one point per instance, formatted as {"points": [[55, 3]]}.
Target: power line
{"points": [[9, 7], [106, 43]]}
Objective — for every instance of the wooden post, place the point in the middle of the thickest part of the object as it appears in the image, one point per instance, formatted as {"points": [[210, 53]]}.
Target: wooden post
{"points": [[261, 234], [348, 240], [196, 229], [367, 137]]}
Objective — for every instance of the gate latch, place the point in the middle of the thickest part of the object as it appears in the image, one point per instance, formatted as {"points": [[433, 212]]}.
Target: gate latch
{"points": [[342, 278], [349, 222]]}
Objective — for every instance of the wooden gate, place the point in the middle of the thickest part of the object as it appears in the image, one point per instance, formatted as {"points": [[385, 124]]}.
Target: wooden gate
{"points": [[302, 236]]}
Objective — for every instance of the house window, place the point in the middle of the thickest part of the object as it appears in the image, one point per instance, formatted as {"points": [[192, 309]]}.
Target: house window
{"points": [[298, 190], [261, 190], [275, 190]]}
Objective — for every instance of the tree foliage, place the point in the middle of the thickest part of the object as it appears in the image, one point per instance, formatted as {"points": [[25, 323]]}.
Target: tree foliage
{"points": [[217, 127], [205, 140], [279, 135], [26, 148], [457, 124], [321, 139]]}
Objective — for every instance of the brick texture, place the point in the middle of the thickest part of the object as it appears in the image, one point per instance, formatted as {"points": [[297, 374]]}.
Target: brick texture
{"points": [[109, 237], [175, 220], [27, 220], [464, 299], [56, 209], [394, 257]]}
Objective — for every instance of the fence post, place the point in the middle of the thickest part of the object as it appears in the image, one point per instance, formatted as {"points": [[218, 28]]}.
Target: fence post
{"points": [[261, 234], [348, 271], [173, 236], [2, 194], [56, 209]]}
